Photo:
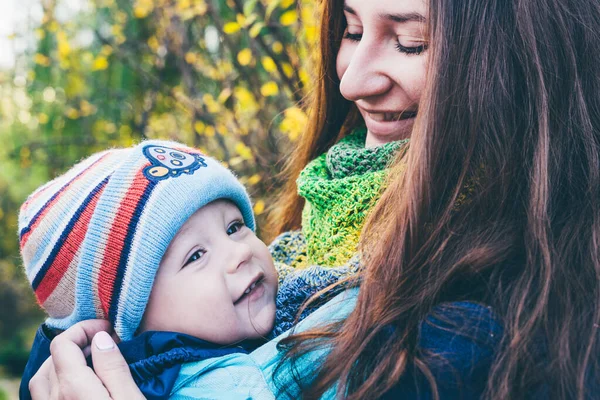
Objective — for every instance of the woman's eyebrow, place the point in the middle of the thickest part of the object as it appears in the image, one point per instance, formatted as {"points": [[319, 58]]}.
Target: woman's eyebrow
{"points": [[401, 17]]}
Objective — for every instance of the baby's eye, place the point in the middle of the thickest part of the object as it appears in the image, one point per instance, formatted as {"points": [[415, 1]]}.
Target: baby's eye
{"points": [[235, 227], [195, 256]]}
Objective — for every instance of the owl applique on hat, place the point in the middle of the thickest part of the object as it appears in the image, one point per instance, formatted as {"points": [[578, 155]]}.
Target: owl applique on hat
{"points": [[168, 162]]}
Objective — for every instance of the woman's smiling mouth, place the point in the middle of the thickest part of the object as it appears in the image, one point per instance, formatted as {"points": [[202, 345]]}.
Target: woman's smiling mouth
{"points": [[389, 124], [389, 116]]}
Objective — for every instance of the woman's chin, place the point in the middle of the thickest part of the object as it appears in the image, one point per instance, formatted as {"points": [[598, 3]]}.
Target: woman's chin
{"points": [[382, 132]]}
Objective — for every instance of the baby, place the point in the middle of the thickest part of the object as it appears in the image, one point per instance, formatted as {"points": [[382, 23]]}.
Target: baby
{"points": [[158, 239]]}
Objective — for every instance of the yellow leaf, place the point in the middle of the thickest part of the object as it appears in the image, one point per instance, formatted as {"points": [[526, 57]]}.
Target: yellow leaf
{"points": [[277, 47], [256, 29], [72, 113], [43, 118], [244, 57], [244, 151], [231, 27], [199, 127], [254, 179], [235, 161], [241, 19], [268, 64], [87, 108], [183, 4], [287, 70], [201, 8], [75, 85], [289, 18], [294, 122], [100, 64], [304, 77], [53, 26], [211, 105], [190, 57], [64, 49], [224, 95], [87, 57], [210, 131], [153, 43], [286, 3], [269, 89], [142, 8], [311, 33], [222, 129], [106, 50], [259, 207], [41, 59]]}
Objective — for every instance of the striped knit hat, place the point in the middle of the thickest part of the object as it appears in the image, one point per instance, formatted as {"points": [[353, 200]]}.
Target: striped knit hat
{"points": [[92, 239]]}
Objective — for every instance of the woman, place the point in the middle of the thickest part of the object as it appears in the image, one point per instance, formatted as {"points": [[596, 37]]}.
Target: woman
{"points": [[339, 188], [498, 208]]}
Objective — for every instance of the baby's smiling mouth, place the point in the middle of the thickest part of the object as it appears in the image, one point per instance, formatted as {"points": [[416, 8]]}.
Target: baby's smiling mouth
{"points": [[255, 282]]}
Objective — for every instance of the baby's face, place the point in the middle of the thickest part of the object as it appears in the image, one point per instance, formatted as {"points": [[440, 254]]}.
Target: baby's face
{"points": [[216, 280]]}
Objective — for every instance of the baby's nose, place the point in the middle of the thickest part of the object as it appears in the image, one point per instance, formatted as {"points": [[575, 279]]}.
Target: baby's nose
{"points": [[239, 255]]}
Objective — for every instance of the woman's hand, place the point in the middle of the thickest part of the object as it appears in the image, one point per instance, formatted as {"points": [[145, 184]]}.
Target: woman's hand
{"points": [[65, 375]]}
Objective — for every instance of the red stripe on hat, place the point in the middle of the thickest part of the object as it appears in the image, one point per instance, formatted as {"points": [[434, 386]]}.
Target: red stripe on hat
{"points": [[67, 251], [116, 239], [48, 206]]}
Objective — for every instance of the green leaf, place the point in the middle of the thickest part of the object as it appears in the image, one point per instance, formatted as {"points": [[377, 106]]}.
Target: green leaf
{"points": [[249, 7], [270, 8]]}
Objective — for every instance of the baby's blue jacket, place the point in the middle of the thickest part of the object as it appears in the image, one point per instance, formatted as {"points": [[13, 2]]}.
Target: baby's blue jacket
{"points": [[188, 368], [462, 375], [154, 359]]}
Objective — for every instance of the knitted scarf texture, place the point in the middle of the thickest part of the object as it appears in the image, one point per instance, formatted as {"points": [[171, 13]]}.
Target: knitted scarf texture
{"points": [[340, 188]]}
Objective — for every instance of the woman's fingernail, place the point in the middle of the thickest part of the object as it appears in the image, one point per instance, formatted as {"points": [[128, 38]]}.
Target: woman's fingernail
{"points": [[103, 341]]}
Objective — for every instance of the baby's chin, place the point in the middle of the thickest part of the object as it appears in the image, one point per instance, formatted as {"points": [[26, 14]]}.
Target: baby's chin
{"points": [[262, 322]]}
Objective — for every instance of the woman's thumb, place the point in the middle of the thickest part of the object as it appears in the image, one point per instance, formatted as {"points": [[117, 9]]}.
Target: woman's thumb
{"points": [[112, 369]]}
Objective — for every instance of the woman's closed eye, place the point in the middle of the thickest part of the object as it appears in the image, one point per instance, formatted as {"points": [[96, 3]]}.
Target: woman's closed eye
{"points": [[196, 255], [406, 49], [235, 227]]}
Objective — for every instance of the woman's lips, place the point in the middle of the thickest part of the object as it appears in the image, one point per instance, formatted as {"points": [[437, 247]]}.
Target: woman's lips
{"points": [[389, 116], [386, 123]]}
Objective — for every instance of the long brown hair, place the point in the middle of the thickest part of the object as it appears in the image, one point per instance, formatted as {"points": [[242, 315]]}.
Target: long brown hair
{"points": [[511, 109], [330, 117]]}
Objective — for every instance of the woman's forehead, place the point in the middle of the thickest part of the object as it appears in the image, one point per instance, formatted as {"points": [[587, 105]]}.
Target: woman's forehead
{"points": [[387, 8]]}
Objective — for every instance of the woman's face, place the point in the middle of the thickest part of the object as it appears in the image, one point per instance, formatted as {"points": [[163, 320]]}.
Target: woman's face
{"points": [[381, 64]]}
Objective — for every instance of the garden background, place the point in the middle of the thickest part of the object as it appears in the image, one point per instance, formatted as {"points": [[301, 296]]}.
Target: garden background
{"points": [[227, 76]]}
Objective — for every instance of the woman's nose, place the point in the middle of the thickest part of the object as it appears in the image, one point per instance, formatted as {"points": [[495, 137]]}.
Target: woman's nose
{"points": [[239, 253], [364, 76]]}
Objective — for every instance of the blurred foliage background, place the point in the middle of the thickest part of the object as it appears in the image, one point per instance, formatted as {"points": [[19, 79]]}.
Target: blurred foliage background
{"points": [[228, 76]]}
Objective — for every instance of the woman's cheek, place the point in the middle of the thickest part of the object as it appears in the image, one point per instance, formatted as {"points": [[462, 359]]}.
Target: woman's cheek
{"points": [[343, 58]]}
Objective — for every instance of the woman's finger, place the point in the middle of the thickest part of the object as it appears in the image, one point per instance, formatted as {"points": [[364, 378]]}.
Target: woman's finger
{"points": [[39, 384], [67, 348], [69, 375], [112, 369]]}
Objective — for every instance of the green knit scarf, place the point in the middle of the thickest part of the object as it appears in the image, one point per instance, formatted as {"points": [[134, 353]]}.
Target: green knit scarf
{"points": [[340, 188]]}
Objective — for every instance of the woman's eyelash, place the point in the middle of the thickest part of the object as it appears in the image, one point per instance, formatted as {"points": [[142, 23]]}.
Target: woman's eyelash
{"points": [[411, 50], [356, 37], [195, 256]]}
